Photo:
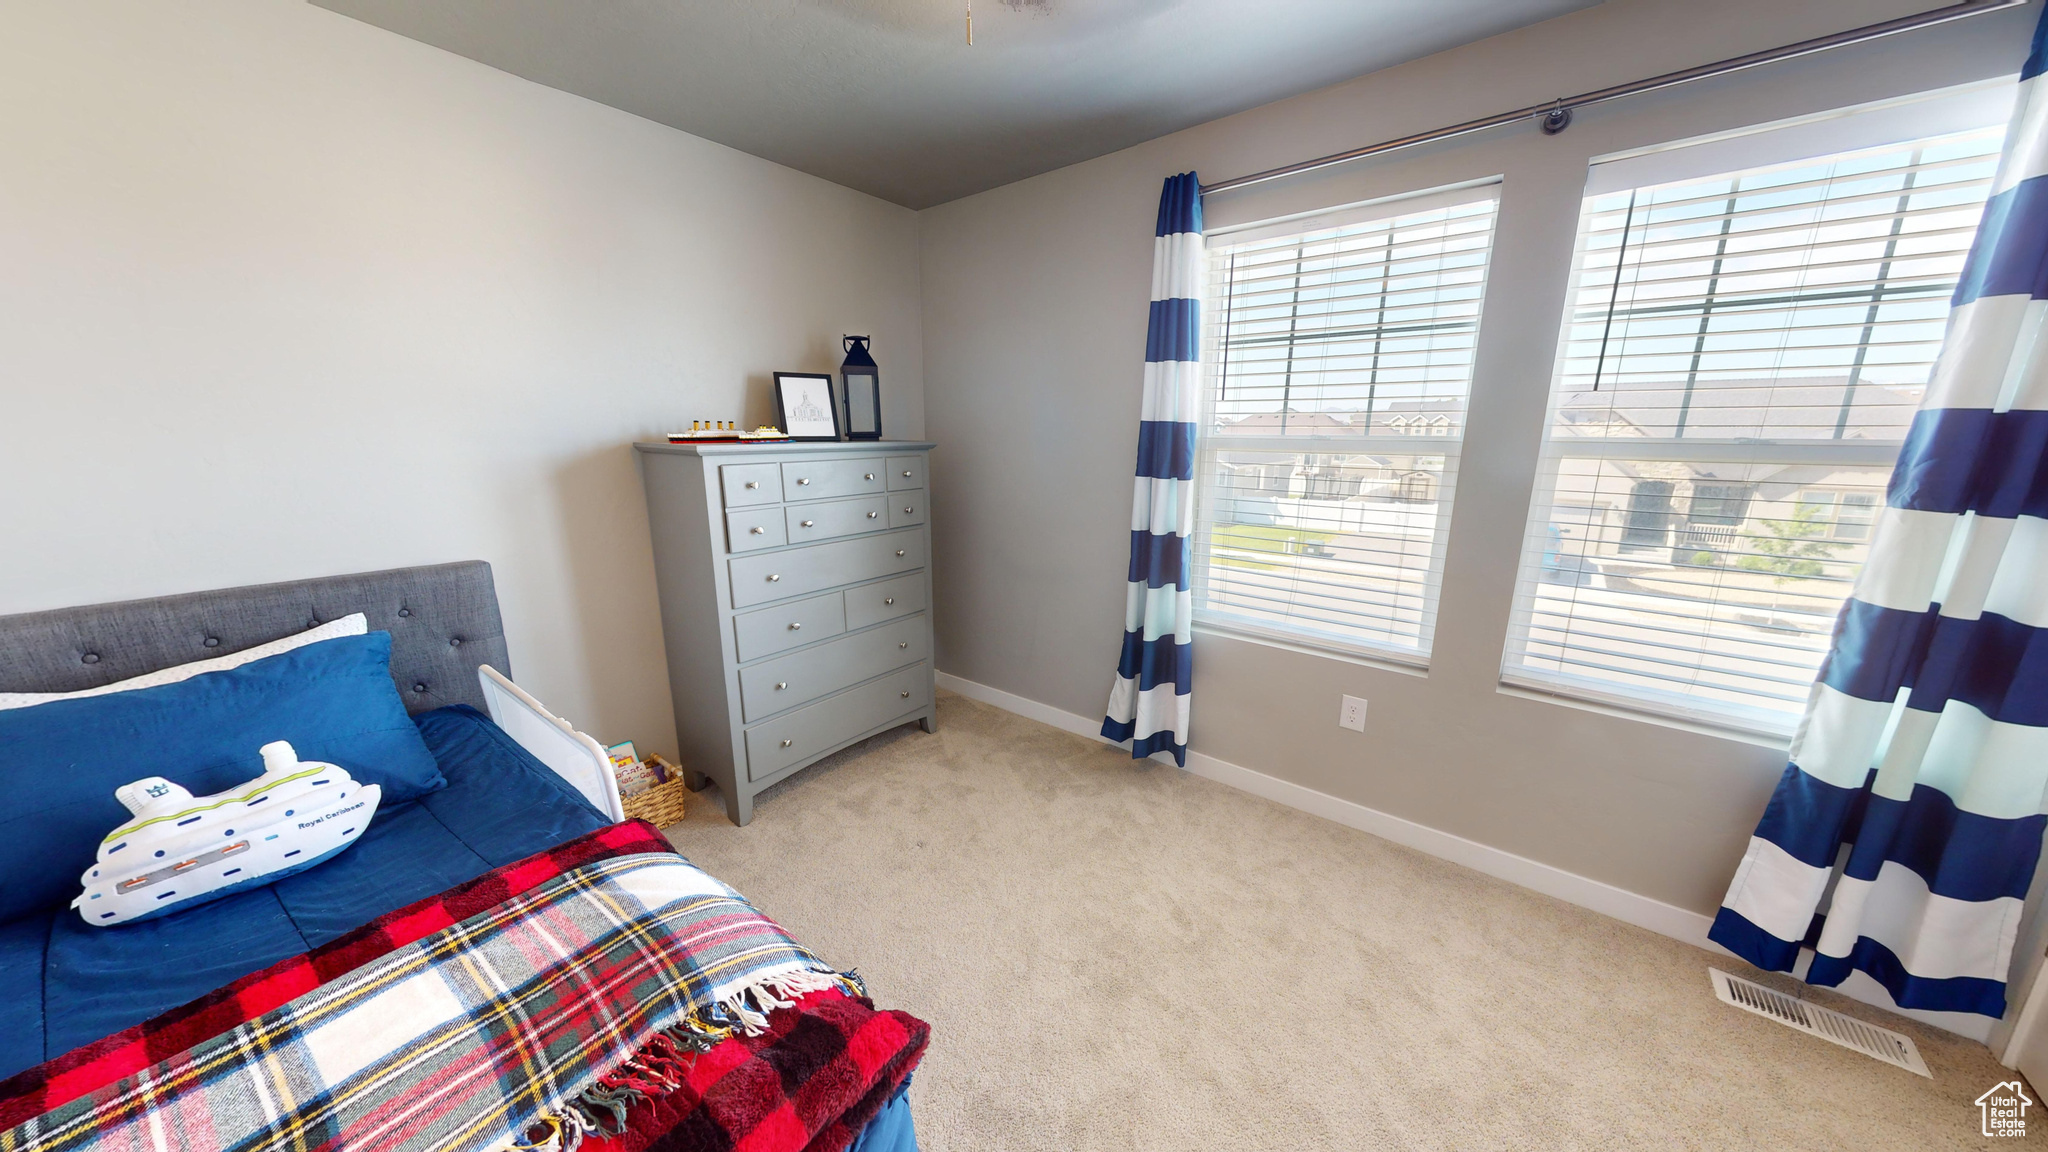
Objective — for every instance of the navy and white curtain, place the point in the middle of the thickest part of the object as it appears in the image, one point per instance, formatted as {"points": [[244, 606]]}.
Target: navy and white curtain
{"points": [[1925, 743], [1149, 703]]}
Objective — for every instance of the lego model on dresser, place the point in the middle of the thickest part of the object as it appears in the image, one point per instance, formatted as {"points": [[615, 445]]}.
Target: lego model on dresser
{"points": [[795, 601]]}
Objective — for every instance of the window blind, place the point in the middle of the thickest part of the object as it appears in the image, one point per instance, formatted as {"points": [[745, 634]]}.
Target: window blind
{"points": [[1339, 362], [1742, 356]]}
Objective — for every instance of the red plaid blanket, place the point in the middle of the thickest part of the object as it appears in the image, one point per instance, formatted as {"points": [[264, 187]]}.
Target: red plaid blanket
{"points": [[573, 1041], [789, 1087]]}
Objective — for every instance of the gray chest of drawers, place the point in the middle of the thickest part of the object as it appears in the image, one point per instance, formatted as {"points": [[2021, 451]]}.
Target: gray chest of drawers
{"points": [[795, 601]]}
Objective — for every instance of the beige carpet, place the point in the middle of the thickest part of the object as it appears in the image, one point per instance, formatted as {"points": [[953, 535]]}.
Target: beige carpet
{"points": [[1120, 956]]}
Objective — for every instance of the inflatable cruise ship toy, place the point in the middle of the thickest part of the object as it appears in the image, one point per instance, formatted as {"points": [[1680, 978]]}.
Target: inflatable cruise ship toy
{"points": [[183, 849]]}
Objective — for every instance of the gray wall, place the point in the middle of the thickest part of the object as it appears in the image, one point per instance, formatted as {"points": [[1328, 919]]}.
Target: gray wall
{"points": [[282, 294], [1034, 315]]}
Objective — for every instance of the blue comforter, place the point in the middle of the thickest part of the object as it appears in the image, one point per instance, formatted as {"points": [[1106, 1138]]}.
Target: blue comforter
{"points": [[64, 983]]}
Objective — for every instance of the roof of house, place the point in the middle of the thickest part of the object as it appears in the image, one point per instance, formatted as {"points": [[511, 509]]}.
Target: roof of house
{"points": [[1753, 408], [1331, 421]]}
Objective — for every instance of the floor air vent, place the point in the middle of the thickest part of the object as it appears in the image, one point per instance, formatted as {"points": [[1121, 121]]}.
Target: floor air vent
{"points": [[1814, 1020]]}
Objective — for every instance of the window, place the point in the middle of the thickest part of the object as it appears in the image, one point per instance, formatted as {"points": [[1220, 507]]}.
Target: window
{"points": [[1332, 345], [1742, 355], [1847, 515]]}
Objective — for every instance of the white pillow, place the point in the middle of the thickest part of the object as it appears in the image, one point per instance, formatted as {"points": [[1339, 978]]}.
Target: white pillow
{"points": [[354, 624]]}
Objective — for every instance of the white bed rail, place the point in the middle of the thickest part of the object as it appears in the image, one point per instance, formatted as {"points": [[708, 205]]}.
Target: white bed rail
{"points": [[575, 757]]}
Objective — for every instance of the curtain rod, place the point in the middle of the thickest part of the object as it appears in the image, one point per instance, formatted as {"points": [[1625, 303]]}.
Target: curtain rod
{"points": [[1557, 114]]}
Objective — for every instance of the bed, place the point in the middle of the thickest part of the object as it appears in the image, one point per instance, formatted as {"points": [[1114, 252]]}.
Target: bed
{"points": [[528, 817]]}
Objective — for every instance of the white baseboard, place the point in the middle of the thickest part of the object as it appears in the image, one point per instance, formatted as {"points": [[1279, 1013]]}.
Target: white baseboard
{"points": [[1606, 899]]}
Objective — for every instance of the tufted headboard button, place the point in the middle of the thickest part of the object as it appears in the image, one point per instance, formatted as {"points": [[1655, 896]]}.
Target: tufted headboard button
{"points": [[419, 687], [405, 611], [455, 641], [212, 642], [90, 658]]}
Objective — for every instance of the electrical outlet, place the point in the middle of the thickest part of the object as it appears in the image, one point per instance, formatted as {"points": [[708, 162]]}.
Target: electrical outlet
{"points": [[1352, 714]]}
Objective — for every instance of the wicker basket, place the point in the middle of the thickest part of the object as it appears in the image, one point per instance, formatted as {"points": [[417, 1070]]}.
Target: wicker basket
{"points": [[661, 805]]}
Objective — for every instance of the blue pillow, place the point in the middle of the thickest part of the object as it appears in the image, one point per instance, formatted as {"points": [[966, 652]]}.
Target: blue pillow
{"points": [[61, 761]]}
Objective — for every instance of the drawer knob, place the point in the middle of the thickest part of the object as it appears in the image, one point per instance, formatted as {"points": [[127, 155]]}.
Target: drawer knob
{"points": [[772, 577], [795, 627], [801, 480], [872, 515], [899, 551], [805, 523], [756, 530], [753, 483], [907, 510], [787, 743], [906, 475], [784, 684], [888, 599], [869, 476], [903, 644], [905, 695]]}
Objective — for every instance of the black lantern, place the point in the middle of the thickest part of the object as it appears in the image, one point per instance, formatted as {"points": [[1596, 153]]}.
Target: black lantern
{"points": [[862, 384]]}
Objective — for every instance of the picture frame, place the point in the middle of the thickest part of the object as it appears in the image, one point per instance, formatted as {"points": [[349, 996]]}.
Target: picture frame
{"points": [[805, 406]]}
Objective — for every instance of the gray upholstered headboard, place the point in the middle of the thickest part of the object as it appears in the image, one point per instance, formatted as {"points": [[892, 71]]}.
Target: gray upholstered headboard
{"points": [[443, 620]]}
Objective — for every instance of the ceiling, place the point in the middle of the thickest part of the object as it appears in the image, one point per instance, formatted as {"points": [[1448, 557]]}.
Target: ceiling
{"points": [[886, 95]]}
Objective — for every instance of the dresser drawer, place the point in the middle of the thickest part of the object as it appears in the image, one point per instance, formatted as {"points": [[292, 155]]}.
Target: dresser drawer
{"points": [[808, 522], [874, 603], [753, 528], [779, 575], [906, 472], [820, 479], [800, 677], [766, 631], [906, 509], [746, 484], [804, 733]]}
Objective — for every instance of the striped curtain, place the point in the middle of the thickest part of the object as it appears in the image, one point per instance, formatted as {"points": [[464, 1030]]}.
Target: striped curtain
{"points": [[1149, 703], [1925, 743]]}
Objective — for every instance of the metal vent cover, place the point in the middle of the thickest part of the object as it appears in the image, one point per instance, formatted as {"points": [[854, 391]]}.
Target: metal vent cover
{"points": [[1877, 1043]]}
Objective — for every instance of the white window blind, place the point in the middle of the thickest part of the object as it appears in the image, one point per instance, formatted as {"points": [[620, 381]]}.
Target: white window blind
{"points": [[1340, 356], [1743, 354]]}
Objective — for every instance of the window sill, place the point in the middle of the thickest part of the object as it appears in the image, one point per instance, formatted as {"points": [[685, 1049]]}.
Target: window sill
{"points": [[1388, 662], [1760, 734]]}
